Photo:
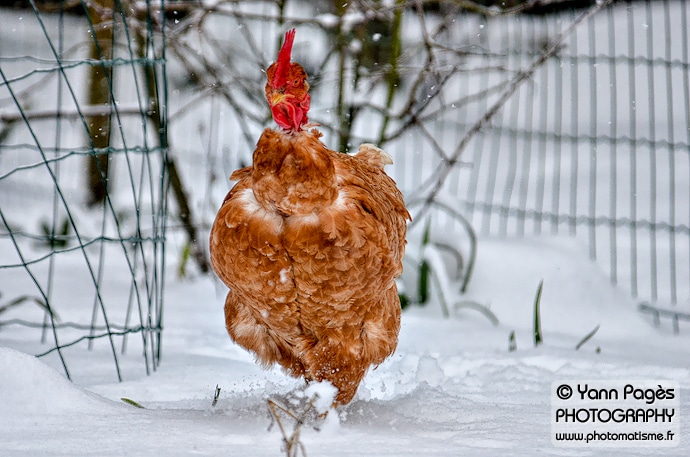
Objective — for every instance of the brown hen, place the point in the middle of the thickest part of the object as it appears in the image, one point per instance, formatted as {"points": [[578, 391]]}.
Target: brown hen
{"points": [[310, 242]]}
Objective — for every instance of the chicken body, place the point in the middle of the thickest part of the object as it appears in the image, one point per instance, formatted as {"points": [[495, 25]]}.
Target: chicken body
{"points": [[310, 242]]}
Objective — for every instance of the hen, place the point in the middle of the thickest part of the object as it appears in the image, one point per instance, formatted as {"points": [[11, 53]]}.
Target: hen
{"points": [[310, 242]]}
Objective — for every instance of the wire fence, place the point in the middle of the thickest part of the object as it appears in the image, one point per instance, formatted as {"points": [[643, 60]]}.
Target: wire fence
{"points": [[83, 147], [597, 145], [593, 142], [594, 145]]}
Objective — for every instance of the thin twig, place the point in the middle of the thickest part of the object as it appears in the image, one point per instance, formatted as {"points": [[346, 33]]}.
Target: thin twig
{"points": [[216, 396], [292, 442]]}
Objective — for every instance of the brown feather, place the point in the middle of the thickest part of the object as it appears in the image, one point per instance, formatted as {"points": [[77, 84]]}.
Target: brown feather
{"points": [[309, 241]]}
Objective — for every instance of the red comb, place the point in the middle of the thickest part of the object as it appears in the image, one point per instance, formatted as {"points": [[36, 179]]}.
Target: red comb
{"points": [[283, 62]]}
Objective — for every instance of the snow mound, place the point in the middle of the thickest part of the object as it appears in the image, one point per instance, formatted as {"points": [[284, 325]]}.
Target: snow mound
{"points": [[323, 393], [28, 386]]}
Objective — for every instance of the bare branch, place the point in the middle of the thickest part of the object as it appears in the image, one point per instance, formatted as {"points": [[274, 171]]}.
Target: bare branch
{"points": [[552, 49]]}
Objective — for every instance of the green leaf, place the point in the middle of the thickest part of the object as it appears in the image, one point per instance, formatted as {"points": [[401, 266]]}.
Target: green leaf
{"points": [[424, 270], [423, 291], [184, 259], [587, 338], [404, 301], [537, 317], [512, 344], [131, 402]]}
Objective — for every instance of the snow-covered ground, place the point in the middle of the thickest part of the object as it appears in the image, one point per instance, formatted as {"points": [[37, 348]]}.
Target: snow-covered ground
{"points": [[451, 388]]}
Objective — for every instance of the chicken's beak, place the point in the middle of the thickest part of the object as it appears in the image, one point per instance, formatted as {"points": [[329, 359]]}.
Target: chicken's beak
{"points": [[276, 98]]}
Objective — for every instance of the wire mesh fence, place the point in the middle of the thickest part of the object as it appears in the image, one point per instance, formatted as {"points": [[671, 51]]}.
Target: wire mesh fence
{"points": [[83, 147], [596, 146], [593, 142], [593, 145]]}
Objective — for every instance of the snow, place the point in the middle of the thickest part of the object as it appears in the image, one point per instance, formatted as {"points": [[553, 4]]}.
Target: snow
{"points": [[323, 393], [30, 395], [328, 20], [451, 388], [284, 275]]}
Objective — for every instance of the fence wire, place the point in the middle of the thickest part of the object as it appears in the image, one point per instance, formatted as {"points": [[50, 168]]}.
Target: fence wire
{"points": [[597, 146], [594, 145], [83, 148]]}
